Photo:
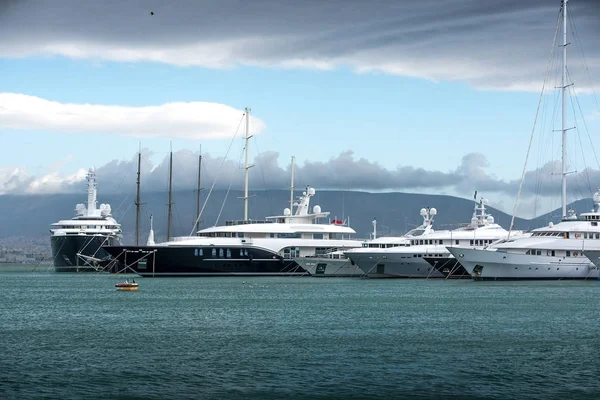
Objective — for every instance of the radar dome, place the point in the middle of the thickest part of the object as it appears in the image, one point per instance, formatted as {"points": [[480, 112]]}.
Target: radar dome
{"points": [[287, 211], [490, 219], [317, 209], [596, 197], [433, 211], [551, 224], [474, 221], [423, 212], [311, 191]]}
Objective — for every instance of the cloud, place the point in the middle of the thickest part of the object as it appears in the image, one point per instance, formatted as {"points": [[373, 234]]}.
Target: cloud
{"points": [[502, 44], [192, 120], [345, 172]]}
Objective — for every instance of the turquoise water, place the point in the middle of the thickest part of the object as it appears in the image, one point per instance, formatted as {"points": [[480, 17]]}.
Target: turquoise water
{"points": [[74, 336]]}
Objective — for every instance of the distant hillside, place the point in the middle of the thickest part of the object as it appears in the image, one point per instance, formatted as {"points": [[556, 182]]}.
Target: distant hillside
{"points": [[396, 213]]}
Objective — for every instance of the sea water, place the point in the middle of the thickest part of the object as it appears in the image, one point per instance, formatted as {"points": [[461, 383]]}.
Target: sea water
{"points": [[75, 336]]}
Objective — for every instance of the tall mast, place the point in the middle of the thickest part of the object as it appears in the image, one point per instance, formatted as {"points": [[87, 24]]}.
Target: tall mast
{"points": [[198, 188], [292, 190], [564, 113], [137, 200], [246, 167], [170, 194]]}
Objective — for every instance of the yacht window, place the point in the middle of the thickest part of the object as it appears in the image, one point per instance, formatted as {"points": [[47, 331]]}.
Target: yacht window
{"points": [[240, 234], [585, 235], [233, 234], [228, 253], [220, 253], [568, 253], [317, 236], [456, 242], [214, 253], [196, 252], [471, 242], [596, 235], [201, 252], [289, 235]]}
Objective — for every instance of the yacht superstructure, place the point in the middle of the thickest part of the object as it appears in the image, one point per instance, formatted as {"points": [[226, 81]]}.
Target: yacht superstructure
{"points": [[77, 243]]}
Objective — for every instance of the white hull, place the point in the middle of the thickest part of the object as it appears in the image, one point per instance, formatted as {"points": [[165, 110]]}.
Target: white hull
{"points": [[501, 265], [329, 267], [399, 265]]}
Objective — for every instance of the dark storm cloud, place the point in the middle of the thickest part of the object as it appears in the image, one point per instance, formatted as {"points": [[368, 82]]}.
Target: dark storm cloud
{"points": [[341, 172], [501, 44]]}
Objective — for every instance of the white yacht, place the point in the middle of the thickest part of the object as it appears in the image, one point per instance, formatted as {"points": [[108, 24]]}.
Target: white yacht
{"points": [[408, 261], [337, 264], [332, 264], [556, 251], [76, 243], [553, 252]]}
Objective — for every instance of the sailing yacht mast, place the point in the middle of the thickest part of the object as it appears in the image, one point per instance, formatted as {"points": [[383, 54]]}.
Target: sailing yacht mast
{"points": [[137, 201], [198, 188], [246, 167], [564, 113], [170, 213], [292, 190]]}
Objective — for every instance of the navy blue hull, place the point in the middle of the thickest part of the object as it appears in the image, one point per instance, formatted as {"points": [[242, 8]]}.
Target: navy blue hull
{"points": [[74, 253], [174, 261]]}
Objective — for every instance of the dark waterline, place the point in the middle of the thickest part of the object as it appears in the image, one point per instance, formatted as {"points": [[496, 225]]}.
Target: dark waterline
{"points": [[74, 336]]}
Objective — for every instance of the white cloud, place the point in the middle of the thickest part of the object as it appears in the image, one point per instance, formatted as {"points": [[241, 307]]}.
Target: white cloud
{"points": [[189, 120]]}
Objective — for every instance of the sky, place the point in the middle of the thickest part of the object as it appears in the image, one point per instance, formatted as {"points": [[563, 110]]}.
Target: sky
{"points": [[433, 96]]}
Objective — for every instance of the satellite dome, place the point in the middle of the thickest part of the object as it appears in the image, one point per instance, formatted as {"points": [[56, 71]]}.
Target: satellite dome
{"points": [[287, 211], [596, 197], [317, 209], [433, 211], [551, 224], [311, 191], [474, 221], [423, 212], [490, 219]]}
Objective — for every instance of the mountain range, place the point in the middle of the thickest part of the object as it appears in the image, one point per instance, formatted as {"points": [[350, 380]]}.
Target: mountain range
{"points": [[396, 213]]}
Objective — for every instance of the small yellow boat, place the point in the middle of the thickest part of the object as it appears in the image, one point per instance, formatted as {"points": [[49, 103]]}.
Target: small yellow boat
{"points": [[133, 285]]}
